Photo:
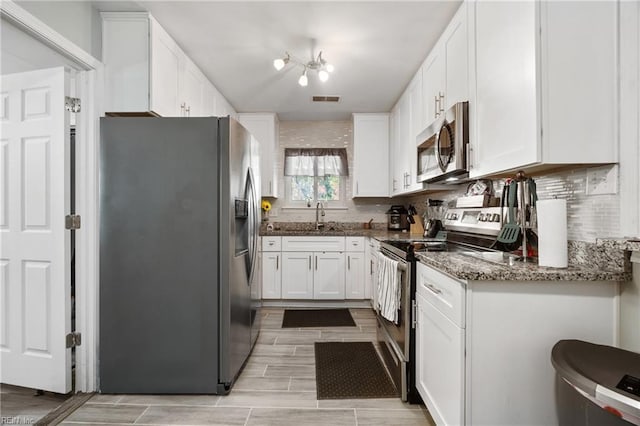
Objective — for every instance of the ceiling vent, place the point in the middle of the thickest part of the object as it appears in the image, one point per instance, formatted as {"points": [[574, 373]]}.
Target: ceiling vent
{"points": [[326, 99]]}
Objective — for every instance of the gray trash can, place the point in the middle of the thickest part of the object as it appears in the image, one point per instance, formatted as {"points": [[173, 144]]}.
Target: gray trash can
{"points": [[596, 385]]}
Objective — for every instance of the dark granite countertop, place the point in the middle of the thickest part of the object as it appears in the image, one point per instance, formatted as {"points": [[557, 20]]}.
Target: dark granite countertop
{"points": [[627, 244], [604, 261], [481, 267]]}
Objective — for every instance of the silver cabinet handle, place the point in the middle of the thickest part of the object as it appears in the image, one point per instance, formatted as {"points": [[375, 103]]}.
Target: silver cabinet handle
{"points": [[316, 263], [277, 262], [270, 187], [349, 262], [414, 313], [357, 188], [434, 289], [436, 107], [441, 101], [182, 107], [309, 262], [371, 267]]}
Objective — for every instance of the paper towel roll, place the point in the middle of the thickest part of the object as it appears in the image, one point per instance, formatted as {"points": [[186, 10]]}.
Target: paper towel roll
{"points": [[552, 233]]}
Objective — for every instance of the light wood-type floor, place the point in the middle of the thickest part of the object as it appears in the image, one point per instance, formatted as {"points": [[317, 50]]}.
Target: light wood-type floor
{"points": [[277, 387]]}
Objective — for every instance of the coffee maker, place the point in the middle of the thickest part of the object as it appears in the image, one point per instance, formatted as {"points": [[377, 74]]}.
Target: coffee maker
{"points": [[397, 218], [433, 218]]}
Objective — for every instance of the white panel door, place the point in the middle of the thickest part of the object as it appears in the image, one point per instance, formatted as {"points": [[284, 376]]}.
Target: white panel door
{"points": [[297, 275], [271, 275], [440, 364], [355, 277], [329, 275], [35, 294]]}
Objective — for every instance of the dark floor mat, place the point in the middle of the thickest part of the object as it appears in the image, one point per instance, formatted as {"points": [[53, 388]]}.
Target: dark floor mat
{"points": [[346, 370], [294, 318]]}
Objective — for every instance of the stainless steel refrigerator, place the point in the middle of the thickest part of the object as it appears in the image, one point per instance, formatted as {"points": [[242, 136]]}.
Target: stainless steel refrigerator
{"points": [[179, 217]]}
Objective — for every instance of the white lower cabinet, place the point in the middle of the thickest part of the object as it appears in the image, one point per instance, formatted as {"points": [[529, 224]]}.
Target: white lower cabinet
{"points": [[328, 275], [271, 275], [483, 347], [314, 268], [440, 370], [297, 275], [271, 267], [355, 276]]}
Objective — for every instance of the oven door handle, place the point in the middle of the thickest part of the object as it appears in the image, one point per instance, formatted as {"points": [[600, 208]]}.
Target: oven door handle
{"points": [[402, 264]]}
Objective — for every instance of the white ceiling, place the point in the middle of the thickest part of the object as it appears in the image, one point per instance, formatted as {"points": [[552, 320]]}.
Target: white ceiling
{"points": [[376, 47]]}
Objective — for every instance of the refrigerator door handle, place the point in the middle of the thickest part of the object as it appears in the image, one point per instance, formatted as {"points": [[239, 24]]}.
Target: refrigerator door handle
{"points": [[253, 224]]}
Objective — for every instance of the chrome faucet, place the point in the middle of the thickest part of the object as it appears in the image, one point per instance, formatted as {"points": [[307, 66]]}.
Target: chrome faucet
{"points": [[319, 212]]}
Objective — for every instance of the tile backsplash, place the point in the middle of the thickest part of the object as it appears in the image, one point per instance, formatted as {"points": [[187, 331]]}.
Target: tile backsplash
{"points": [[589, 216]]}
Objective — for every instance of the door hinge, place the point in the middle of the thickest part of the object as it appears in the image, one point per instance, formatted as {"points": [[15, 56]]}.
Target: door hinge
{"points": [[72, 221], [71, 104], [73, 339]]}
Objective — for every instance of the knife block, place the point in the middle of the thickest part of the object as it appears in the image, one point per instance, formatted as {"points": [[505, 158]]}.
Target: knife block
{"points": [[416, 228]]}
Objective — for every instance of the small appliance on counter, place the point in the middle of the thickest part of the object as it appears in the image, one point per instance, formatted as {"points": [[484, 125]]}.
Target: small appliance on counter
{"points": [[398, 218], [433, 218]]}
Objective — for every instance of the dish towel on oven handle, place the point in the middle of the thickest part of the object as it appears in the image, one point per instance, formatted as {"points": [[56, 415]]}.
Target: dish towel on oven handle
{"points": [[388, 286]]}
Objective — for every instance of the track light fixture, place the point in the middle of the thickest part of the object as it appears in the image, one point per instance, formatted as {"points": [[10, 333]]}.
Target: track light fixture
{"points": [[318, 64]]}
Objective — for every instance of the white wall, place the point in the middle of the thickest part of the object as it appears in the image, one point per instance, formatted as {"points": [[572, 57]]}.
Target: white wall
{"points": [[21, 52], [77, 21]]}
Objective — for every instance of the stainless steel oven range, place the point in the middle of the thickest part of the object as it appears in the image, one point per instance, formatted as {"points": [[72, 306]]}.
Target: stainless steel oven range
{"points": [[465, 232]]}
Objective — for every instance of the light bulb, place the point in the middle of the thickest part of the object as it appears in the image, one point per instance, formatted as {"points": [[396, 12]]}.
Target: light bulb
{"points": [[329, 67], [323, 75], [303, 80], [278, 64]]}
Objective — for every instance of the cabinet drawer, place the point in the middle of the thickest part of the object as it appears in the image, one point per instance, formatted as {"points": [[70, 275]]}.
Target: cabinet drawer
{"points": [[443, 292], [355, 243], [313, 243], [271, 243]]}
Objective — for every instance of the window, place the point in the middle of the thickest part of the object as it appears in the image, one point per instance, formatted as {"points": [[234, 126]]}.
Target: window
{"points": [[314, 175]]}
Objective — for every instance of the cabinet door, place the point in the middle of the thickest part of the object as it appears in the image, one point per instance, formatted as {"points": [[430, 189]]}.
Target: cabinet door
{"points": [[191, 89], [297, 275], [432, 84], [506, 111], [264, 127], [395, 171], [355, 276], [440, 370], [413, 128], [165, 72], [271, 275], [399, 148], [370, 164], [208, 100], [456, 58], [328, 275]]}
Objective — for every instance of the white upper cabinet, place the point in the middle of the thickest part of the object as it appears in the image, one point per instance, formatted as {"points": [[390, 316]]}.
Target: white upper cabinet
{"points": [[370, 172], [164, 84], [432, 84], [455, 42], [545, 82], [445, 72], [264, 127], [192, 89], [146, 71]]}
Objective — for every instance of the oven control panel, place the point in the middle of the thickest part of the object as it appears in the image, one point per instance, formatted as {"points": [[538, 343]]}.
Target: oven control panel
{"points": [[483, 220]]}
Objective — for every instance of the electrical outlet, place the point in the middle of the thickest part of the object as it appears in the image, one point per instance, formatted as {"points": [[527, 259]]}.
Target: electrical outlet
{"points": [[602, 180]]}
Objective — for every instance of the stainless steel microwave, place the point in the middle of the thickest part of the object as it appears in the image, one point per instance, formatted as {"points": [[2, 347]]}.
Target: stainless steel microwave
{"points": [[443, 147]]}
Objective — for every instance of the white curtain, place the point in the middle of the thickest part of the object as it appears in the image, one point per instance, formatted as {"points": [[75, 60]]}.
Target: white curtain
{"points": [[315, 162]]}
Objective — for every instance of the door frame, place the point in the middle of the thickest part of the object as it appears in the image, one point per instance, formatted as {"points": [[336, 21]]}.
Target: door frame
{"points": [[89, 78]]}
